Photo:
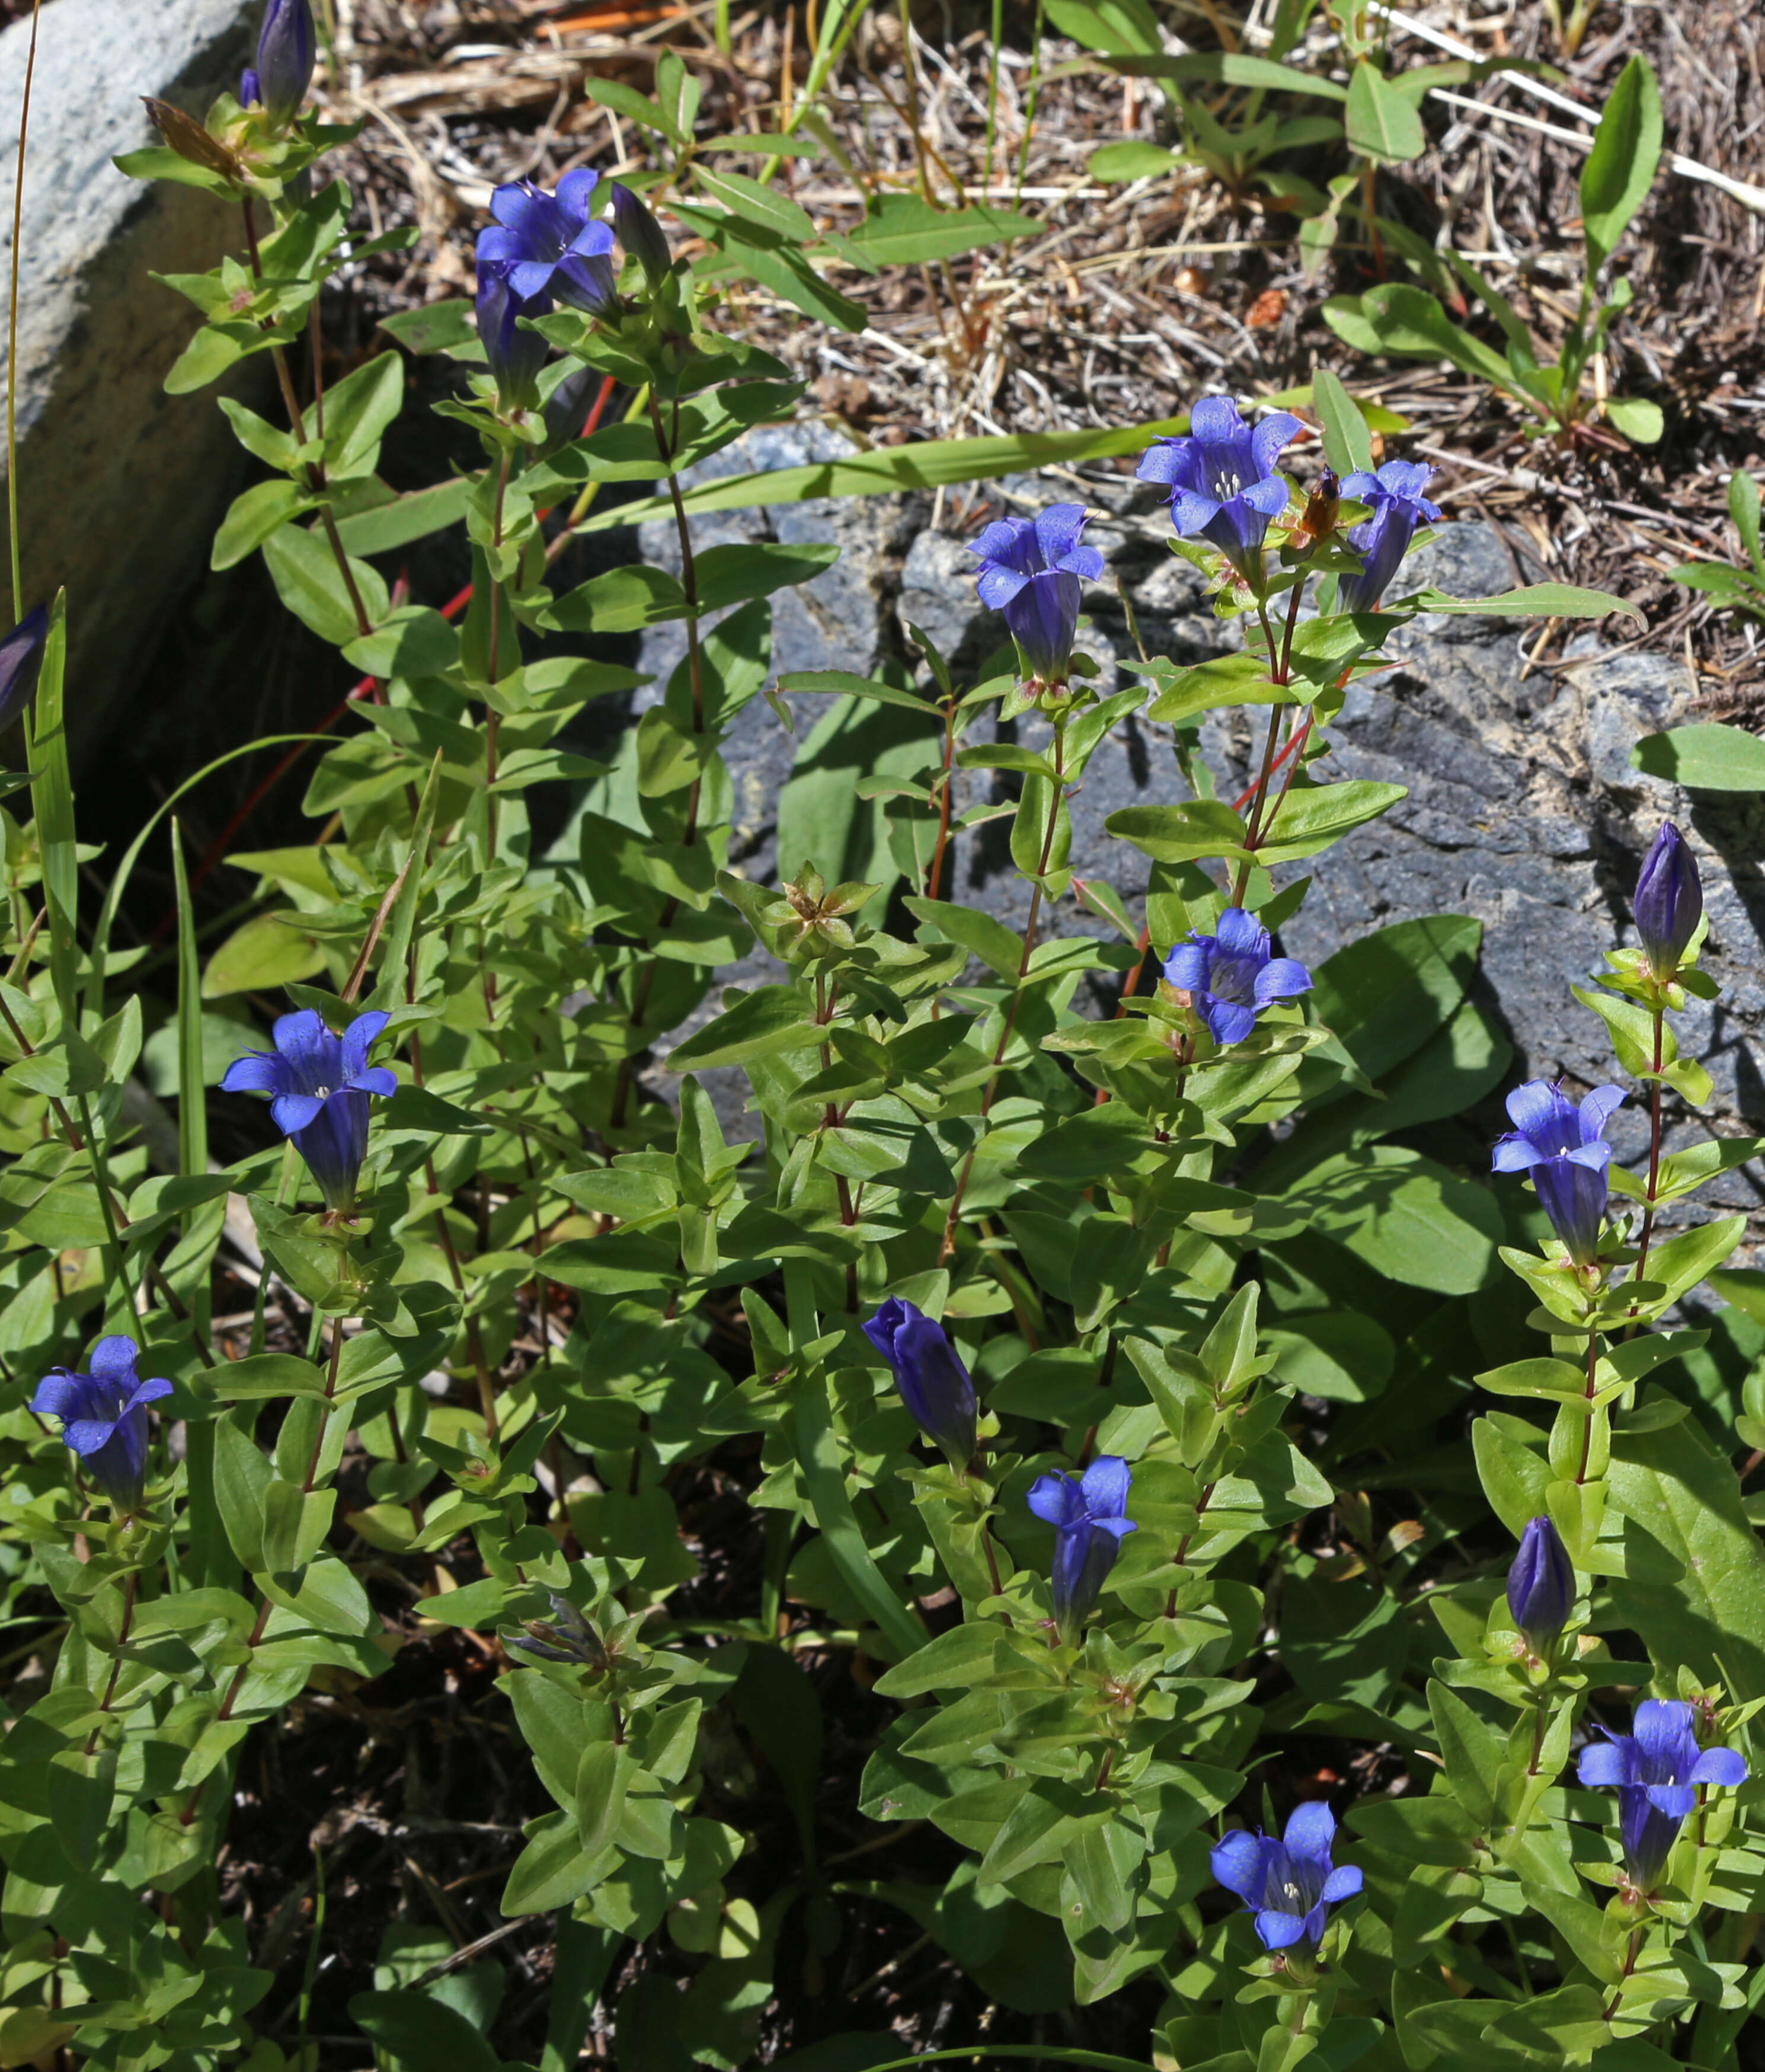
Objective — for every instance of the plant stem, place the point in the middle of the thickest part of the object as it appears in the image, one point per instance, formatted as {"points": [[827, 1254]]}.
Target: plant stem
{"points": [[130, 1583], [1592, 1391], [325, 1417], [1654, 1169], [948, 1246], [493, 718]]}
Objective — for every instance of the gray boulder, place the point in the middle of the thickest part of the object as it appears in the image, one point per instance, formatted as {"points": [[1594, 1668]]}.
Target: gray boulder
{"points": [[120, 485]]}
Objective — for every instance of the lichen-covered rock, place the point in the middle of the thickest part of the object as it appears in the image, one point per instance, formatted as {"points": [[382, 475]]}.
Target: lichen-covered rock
{"points": [[120, 485]]}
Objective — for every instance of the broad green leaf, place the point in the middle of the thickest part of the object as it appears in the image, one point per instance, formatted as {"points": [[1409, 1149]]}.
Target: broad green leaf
{"points": [[263, 509], [1407, 1217], [1136, 159], [263, 954], [770, 1020], [973, 929], [818, 1452], [1705, 757], [905, 230], [1396, 318], [1310, 817], [1182, 833], [765, 206], [1743, 507], [1535, 601], [1382, 123], [419, 2032], [1347, 443], [1112, 27], [1620, 168], [307, 579]]}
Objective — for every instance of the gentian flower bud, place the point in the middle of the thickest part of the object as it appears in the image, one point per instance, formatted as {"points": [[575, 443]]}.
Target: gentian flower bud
{"points": [[1541, 1585], [515, 355], [320, 1084], [1670, 901], [21, 659], [287, 49], [933, 1382], [1222, 480], [1656, 1769], [641, 235], [1564, 1149], [1291, 1885], [104, 1418], [250, 94], [1087, 1513], [548, 244], [1230, 977], [1398, 507], [1031, 570]]}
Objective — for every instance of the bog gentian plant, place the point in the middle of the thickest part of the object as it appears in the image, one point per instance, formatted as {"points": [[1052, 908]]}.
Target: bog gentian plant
{"points": [[1232, 976], [1290, 1884], [1031, 570], [1561, 1143], [319, 1083], [933, 1382], [592, 1383], [1383, 539], [1658, 1769], [1089, 1514], [104, 1418], [1222, 479]]}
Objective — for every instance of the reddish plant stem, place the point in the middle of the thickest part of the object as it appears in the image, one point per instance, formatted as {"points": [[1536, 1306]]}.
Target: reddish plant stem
{"points": [[1654, 1168], [229, 1701], [934, 876], [130, 1583]]}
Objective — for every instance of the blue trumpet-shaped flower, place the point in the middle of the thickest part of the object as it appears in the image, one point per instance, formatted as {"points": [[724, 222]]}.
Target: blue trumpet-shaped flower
{"points": [[641, 235], [287, 50], [21, 659], [1087, 1514], [1562, 1145], [548, 243], [319, 1083], [104, 1418], [1230, 976], [933, 1382], [1031, 570], [1657, 1769], [1290, 1884], [1541, 1585], [515, 355], [1221, 478], [1398, 507], [1669, 901]]}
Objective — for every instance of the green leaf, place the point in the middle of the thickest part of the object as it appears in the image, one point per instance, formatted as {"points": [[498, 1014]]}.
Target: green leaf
{"points": [[358, 411], [1312, 817], [1639, 420], [1347, 443], [1743, 507], [413, 641], [1407, 1217], [971, 929], [1182, 833], [1114, 27], [263, 954], [1134, 159], [1620, 168], [307, 579], [1382, 123], [603, 1779], [399, 519], [905, 230], [435, 327], [842, 683], [262, 1374], [1705, 757], [263, 509], [764, 1023], [1535, 601], [818, 1453], [1396, 318], [420, 2033]]}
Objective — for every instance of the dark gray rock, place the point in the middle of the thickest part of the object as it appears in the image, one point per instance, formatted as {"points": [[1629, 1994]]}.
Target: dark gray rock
{"points": [[120, 484]]}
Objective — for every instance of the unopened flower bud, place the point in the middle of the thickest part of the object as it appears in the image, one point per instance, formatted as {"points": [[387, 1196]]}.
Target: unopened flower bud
{"points": [[1670, 901], [1541, 1585], [641, 235], [287, 49]]}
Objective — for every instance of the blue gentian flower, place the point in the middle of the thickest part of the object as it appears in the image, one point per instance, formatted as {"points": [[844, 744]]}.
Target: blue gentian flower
{"points": [[1541, 1585], [320, 1084], [1291, 1885], [1564, 1149], [1230, 976], [515, 355], [250, 92], [1656, 1769], [1031, 570], [1670, 901], [548, 244], [1087, 1514], [104, 1418], [287, 49], [21, 659], [933, 1382], [1222, 479], [1398, 507], [641, 235]]}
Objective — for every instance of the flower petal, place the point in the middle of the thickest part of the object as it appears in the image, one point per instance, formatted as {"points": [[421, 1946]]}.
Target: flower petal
{"points": [[576, 189], [1241, 934], [1280, 1931], [1187, 966], [1215, 420], [1281, 978], [375, 1079], [1342, 1883], [300, 1037], [1611, 1761], [1720, 1765], [1534, 1108], [358, 1040], [1228, 1022], [258, 1072], [1514, 1153], [1662, 1730], [1269, 496], [1105, 1486], [1192, 512], [1597, 1109], [293, 1112], [1057, 530], [1010, 541], [1310, 1830], [1272, 432], [1055, 1498], [151, 1391], [1237, 1861], [1164, 461], [998, 586], [113, 1361], [60, 1394]]}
